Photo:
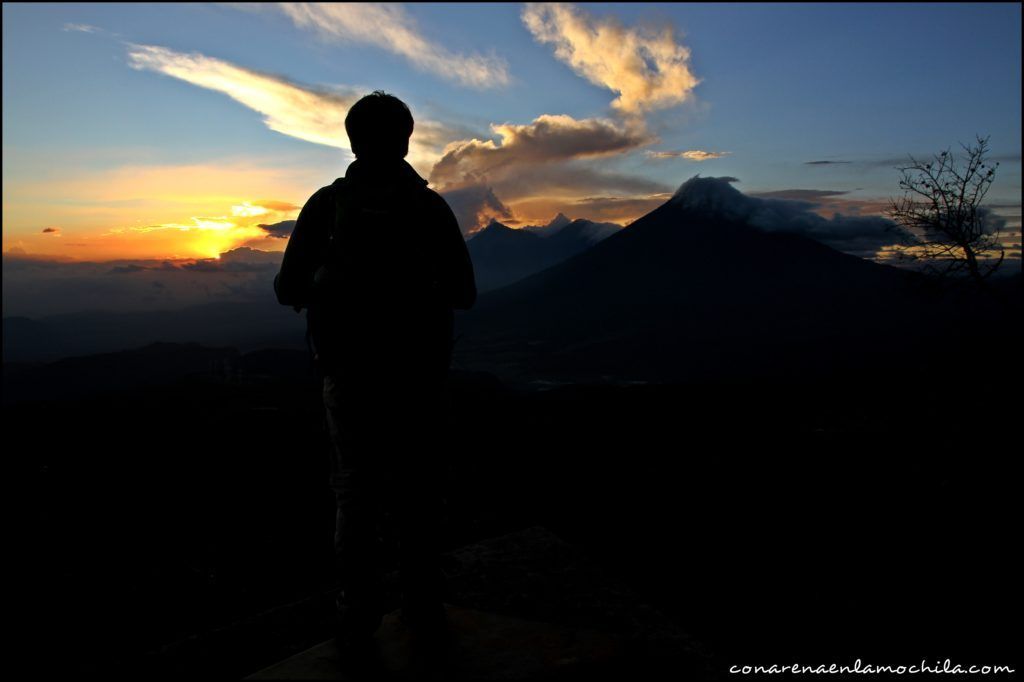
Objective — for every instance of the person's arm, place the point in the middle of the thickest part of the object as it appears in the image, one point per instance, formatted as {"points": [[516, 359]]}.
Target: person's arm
{"points": [[456, 278], [306, 250]]}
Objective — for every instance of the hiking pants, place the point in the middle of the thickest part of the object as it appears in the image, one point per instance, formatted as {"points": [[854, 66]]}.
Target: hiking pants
{"points": [[385, 462]]}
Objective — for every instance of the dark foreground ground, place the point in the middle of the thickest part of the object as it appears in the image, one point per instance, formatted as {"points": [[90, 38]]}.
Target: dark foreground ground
{"points": [[867, 517]]}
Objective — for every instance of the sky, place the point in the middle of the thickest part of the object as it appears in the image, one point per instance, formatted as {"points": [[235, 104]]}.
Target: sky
{"points": [[174, 131]]}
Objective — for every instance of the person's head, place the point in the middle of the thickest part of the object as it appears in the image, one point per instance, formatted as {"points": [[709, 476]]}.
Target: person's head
{"points": [[379, 126]]}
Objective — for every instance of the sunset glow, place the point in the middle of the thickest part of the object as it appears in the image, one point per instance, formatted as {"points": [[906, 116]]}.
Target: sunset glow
{"points": [[204, 238], [196, 210], [174, 143]]}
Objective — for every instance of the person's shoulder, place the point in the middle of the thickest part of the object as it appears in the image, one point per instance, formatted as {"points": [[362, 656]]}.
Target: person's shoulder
{"points": [[434, 200], [327, 191]]}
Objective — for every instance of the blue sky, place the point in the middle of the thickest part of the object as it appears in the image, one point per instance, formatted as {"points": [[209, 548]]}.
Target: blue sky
{"points": [[124, 135]]}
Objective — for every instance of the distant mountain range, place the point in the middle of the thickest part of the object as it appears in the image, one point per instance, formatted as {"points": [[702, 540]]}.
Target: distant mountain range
{"points": [[502, 255], [690, 290]]}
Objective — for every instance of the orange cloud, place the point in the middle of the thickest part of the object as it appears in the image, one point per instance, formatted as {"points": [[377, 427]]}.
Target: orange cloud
{"points": [[195, 210], [547, 139], [272, 205], [548, 157]]}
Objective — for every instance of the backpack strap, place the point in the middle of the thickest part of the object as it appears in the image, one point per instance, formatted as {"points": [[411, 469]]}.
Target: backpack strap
{"points": [[342, 209]]}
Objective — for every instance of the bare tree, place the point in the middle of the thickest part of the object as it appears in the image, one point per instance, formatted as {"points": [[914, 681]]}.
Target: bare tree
{"points": [[940, 217]]}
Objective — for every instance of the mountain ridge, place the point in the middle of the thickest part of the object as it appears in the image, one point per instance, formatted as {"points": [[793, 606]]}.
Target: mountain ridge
{"points": [[502, 255], [691, 290]]}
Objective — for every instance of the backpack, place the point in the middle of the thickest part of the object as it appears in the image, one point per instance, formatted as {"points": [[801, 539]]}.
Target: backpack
{"points": [[384, 309]]}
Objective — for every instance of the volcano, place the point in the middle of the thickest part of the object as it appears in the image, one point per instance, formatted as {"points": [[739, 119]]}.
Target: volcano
{"points": [[694, 289]]}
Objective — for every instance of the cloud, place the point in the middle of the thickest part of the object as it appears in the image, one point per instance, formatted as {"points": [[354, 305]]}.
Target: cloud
{"points": [[813, 196], [299, 111], [245, 254], [242, 259], [548, 157], [827, 202], [38, 286], [823, 163], [304, 112], [274, 205], [535, 193], [212, 265], [18, 257], [475, 205], [864, 236], [203, 236], [113, 213], [81, 28], [991, 222], [55, 231], [129, 269], [691, 155], [548, 138], [281, 230], [389, 26], [647, 67]]}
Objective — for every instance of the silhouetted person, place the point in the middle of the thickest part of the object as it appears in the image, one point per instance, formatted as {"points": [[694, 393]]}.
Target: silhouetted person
{"points": [[379, 261]]}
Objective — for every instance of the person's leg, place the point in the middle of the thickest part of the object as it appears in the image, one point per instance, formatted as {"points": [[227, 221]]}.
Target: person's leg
{"points": [[356, 485], [418, 478]]}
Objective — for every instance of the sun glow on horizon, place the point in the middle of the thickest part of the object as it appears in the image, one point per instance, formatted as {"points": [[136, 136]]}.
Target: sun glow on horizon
{"points": [[207, 237], [155, 211], [194, 237]]}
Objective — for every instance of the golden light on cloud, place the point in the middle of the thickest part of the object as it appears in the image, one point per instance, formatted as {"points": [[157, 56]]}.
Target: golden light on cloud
{"points": [[549, 139], [689, 154], [274, 205], [647, 67], [550, 162], [247, 210]]}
